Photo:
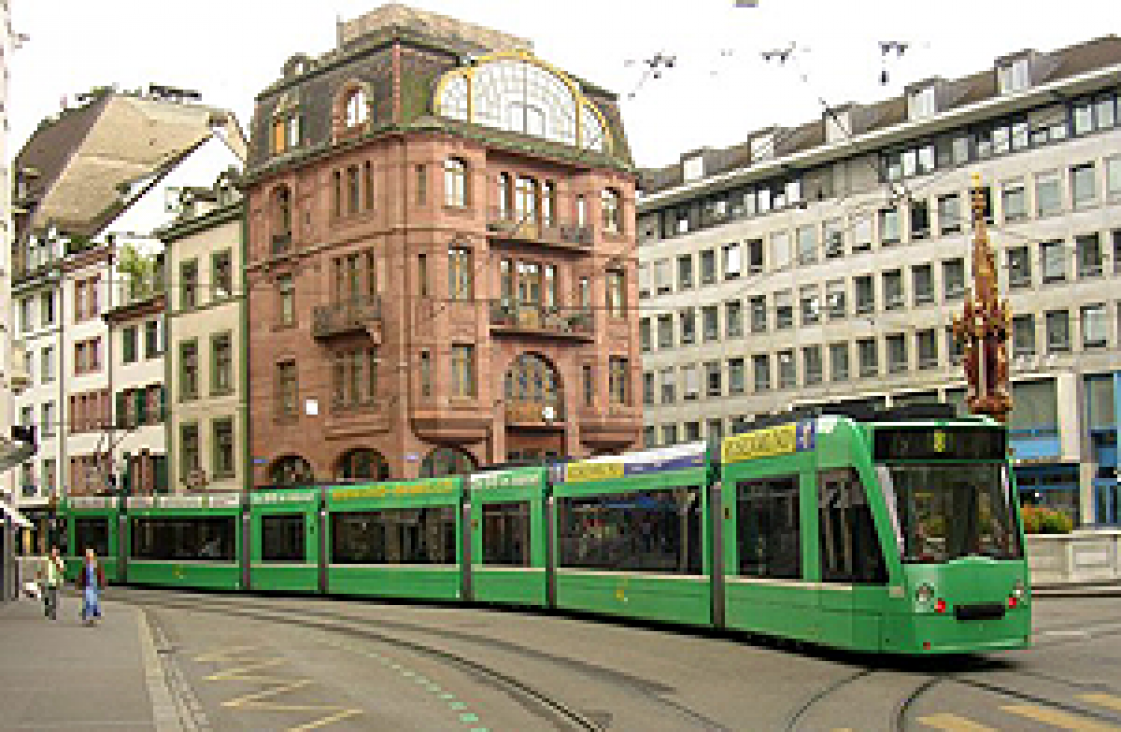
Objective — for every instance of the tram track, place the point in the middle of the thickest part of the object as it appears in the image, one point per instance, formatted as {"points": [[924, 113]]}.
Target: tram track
{"points": [[813, 700], [905, 706], [555, 710]]}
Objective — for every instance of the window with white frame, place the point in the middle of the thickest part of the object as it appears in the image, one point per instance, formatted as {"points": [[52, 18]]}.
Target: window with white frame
{"points": [[807, 244], [1113, 177], [691, 381], [835, 299], [809, 300], [861, 233], [663, 277], [733, 263], [1023, 335], [1053, 256], [1048, 194], [839, 361], [780, 250], [834, 235], [1058, 331], [1019, 266], [1083, 185], [1014, 200], [1088, 250], [1095, 328]]}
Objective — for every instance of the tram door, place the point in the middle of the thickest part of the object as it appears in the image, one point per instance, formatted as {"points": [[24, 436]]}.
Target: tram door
{"points": [[853, 573]]}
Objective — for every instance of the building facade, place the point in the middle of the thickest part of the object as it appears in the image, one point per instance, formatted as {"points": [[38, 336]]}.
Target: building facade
{"points": [[440, 265], [825, 263], [205, 317], [136, 436]]}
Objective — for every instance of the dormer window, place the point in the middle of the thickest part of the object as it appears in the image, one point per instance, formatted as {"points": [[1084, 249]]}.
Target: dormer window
{"points": [[1013, 76], [693, 168], [921, 103], [838, 125], [763, 147], [357, 111]]}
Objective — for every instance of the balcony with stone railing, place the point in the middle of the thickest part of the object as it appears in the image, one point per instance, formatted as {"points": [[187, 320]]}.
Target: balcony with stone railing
{"points": [[348, 317], [549, 231], [531, 319]]}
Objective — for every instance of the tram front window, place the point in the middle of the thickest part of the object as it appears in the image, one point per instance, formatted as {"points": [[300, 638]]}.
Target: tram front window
{"points": [[947, 511]]}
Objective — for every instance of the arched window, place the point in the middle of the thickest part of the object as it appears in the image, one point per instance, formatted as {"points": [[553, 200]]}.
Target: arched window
{"points": [[362, 464], [611, 204], [533, 391], [291, 470], [513, 91], [455, 182], [446, 461], [356, 109]]}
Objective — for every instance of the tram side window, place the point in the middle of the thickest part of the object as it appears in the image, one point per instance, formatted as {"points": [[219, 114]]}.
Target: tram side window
{"points": [[768, 529], [394, 536], [92, 533], [850, 549], [282, 538], [639, 531], [506, 534], [207, 539]]}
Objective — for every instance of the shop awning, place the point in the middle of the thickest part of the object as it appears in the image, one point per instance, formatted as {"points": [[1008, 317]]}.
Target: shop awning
{"points": [[17, 518]]}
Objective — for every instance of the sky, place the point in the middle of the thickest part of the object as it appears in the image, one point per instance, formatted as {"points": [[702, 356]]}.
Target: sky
{"points": [[719, 90]]}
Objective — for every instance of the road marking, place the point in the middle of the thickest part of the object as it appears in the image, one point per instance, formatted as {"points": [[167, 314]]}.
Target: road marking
{"points": [[326, 720], [261, 699], [239, 674], [256, 696], [1102, 700], [1063, 720], [953, 723]]}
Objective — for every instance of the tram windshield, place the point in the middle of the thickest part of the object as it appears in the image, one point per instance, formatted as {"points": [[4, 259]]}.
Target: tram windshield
{"points": [[951, 510]]}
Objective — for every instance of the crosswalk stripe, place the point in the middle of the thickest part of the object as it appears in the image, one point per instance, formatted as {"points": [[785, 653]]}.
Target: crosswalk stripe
{"points": [[953, 723], [1063, 720], [1102, 700]]}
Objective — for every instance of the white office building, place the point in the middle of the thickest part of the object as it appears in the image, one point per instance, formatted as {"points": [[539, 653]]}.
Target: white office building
{"points": [[825, 263]]}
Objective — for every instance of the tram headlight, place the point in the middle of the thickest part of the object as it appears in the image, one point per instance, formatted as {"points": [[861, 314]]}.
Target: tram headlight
{"points": [[1018, 591], [924, 595]]}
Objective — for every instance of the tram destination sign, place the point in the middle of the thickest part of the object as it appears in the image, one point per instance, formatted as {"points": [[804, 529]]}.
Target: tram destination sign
{"points": [[940, 443], [782, 440], [660, 460], [384, 490], [517, 478]]}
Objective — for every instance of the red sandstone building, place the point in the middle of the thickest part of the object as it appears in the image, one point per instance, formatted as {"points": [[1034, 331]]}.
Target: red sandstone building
{"points": [[441, 266]]}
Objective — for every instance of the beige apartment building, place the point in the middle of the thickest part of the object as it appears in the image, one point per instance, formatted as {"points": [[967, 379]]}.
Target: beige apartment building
{"points": [[205, 310]]}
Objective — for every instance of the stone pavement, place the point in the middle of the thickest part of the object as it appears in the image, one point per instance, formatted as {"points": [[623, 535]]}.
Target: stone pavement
{"points": [[64, 675]]}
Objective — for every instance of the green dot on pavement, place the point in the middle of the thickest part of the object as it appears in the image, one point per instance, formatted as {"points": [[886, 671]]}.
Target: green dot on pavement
{"points": [[469, 718]]}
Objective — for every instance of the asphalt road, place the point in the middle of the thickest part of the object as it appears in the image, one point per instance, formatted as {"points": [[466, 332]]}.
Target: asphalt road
{"points": [[301, 664]]}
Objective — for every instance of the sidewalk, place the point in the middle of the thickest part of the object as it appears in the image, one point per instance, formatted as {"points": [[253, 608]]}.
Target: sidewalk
{"points": [[64, 675]]}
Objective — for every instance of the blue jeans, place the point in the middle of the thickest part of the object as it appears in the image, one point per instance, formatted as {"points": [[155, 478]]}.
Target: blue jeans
{"points": [[91, 603]]}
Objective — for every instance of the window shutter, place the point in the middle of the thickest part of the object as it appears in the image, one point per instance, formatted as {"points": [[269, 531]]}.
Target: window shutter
{"points": [[138, 404]]}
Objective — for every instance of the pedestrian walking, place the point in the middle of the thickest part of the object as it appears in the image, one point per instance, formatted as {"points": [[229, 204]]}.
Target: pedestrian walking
{"points": [[52, 582], [91, 580]]}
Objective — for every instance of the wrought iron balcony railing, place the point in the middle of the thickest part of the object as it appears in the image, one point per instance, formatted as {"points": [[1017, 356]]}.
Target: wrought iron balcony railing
{"points": [[510, 224], [542, 320], [346, 317]]}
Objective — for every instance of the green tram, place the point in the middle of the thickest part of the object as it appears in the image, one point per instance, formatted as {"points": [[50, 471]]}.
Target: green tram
{"points": [[893, 534]]}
